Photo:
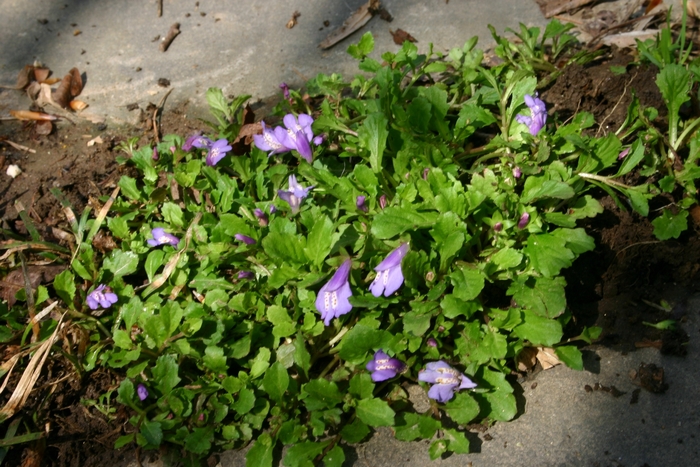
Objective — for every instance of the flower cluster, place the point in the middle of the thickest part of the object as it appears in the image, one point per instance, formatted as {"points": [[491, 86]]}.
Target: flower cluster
{"points": [[296, 135], [332, 300], [538, 114], [216, 149]]}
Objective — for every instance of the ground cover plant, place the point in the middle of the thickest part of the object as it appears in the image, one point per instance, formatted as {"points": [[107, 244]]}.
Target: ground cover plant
{"points": [[408, 227]]}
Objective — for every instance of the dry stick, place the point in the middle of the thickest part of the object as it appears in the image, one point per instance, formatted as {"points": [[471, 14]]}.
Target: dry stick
{"points": [[156, 116], [19, 146], [172, 34], [160, 8]]}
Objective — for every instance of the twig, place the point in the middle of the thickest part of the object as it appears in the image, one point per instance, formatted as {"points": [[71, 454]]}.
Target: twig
{"points": [[156, 116], [160, 8], [19, 146], [624, 92], [638, 243], [172, 34]]}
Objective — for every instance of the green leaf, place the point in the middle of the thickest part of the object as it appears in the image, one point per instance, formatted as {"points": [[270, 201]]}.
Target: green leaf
{"points": [[548, 254], [303, 454], [410, 426], [152, 432], [124, 440], [437, 448], [507, 258], [576, 240], [462, 409], [468, 283], [319, 240], [199, 441], [375, 412], [356, 343], [674, 83], [362, 48], [121, 262], [285, 247], [172, 213], [670, 225], [393, 221], [355, 431], [571, 356], [458, 442], [261, 363], [154, 261], [260, 455], [165, 373], [373, 135], [546, 297], [634, 157], [453, 307], [245, 402], [335, 457], [322, 394], [537, 187], [129, 188], [125, 393], [361, 386], [416, 323], [538, 330], [64, 285], [276, 381]]}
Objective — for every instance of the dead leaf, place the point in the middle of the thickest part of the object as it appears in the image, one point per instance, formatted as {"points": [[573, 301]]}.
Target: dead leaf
{"points": [[359, 18], [293, 20], [651, 5], [41, 74], [77, 105], [70, 87], [93, 141], [30, 115], [241, 145], [14, 281], [527, 358], [400, 36], [43, 128], [547, 357], [25, 77], [77, 32]]}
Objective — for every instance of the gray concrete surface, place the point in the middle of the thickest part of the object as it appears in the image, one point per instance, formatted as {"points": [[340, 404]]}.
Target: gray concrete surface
{"points": [[244, 47], [241, 46]]}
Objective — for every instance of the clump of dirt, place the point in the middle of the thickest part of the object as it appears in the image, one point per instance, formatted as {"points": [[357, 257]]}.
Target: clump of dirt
{"points": [[598, 89]]}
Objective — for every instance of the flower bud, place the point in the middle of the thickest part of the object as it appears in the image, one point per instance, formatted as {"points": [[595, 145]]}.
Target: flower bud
{"points": [[360, 203], [524, 219], [498, 226], [382, 201], [517, 173], [155, 155], [263, 220], [432, 342]]}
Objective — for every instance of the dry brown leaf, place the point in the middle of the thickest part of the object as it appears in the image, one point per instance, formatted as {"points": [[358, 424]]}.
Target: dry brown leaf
{"points": [[14, 281], [41, 74], [43, 128], [25, 77], [95, 140], [400, 36], [70, 87], [31, 115], [527, 358], [241, 144], [77, 105], [76, 84], [547, 357], [359, 18]]}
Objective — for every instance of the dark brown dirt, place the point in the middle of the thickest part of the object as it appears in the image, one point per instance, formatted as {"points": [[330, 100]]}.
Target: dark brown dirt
{"points": [[614, 287]]}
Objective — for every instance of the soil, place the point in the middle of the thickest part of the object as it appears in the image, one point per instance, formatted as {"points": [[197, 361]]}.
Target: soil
{"points": [[618, 287]]}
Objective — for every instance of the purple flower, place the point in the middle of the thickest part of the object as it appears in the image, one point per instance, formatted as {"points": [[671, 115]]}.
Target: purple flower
{"points": [[426, 171], [498, 226], [360, 203], [538, 113], [273, 208], [155, 155], [389, 276], [623, 154], [299, 134], [332, 300], [285, 90], [432, 342], [197, 141], [246, 275], [142, 392], [160, 237], [295, 194], [517, 173], [318, 140], [263, 220], [245, 239], [384, 367], [217, 151], [524, 219], [445, 380], [271, 140], [102, 296], [382, 201]]}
